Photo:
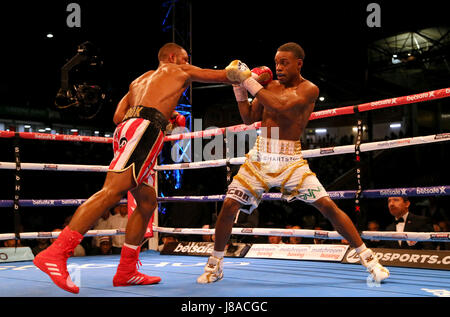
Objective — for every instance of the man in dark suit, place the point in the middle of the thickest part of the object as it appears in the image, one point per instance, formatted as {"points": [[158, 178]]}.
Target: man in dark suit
{"points": [[405, 221]]}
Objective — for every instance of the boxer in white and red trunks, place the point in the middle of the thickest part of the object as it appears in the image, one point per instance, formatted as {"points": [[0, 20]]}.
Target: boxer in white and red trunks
{"points": [[141, 117], [284, 107], [138, 140]]}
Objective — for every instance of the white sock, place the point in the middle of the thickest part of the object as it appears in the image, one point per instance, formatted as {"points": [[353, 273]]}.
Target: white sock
{"points": [[218, 254], [134, 247], [361, 248]]}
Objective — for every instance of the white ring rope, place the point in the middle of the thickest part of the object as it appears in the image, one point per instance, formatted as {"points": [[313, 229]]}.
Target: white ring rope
{"points": [[304, 233], [345, 149]]}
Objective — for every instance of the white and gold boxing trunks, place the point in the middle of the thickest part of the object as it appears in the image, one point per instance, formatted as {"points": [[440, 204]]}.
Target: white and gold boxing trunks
{"points": [[274, 163]]}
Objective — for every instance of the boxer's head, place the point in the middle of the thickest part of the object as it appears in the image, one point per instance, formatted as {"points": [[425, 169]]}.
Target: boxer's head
{"points": [[398, 206], [173, 53], [289, 61]]}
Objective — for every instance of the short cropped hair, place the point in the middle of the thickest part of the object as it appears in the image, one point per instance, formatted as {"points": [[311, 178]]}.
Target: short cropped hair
{"points": [[296, 49], [167, 49]]}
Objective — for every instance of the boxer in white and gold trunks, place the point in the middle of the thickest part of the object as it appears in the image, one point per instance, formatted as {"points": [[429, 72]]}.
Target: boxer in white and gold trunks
{"points": [[283, 106], [274, 163]]}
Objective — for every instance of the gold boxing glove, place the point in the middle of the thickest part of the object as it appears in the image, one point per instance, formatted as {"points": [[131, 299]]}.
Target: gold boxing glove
{"points": [[237, 71]]}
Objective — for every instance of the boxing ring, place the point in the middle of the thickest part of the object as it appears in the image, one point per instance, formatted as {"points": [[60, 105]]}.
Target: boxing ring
{"points": [[245, 276]]}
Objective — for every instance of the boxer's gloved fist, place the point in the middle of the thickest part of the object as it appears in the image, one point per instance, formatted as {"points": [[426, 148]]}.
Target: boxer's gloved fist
{"points": [[237, 71], [262, 74], [178, 120]]}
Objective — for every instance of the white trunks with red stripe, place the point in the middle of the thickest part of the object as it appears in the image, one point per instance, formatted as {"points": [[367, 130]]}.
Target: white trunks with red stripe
{"points": [[137, 142]]}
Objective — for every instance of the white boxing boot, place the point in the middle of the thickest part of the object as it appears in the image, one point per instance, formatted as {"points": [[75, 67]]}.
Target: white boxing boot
{"points": [[370, 261], [213, 271]]}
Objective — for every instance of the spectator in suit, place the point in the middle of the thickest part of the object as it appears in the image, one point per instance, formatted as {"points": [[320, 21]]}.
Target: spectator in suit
{"points": [[405, 221]]}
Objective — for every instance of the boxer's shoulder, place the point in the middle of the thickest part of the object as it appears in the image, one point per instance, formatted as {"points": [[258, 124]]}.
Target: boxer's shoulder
{"points": [[308, 88]]}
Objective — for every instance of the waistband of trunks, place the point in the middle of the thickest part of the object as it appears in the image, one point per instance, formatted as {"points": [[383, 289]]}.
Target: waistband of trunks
{"points": [[147, 113], [276, 146]]}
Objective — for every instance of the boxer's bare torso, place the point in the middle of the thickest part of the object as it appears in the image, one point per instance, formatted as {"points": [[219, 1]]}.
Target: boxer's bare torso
{"points": [[293, 120], [163, 87]]}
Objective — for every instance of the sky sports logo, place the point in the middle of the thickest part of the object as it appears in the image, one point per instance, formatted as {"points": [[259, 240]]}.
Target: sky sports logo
{"points": [[387, 257]]}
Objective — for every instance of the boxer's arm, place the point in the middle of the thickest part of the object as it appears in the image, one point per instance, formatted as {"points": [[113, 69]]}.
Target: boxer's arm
{"points": [[205, 75], [250, 112], [121, 109]]}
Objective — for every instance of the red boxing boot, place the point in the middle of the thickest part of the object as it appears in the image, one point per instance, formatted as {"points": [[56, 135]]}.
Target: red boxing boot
{"points": [[53, 260], [127, 273]]}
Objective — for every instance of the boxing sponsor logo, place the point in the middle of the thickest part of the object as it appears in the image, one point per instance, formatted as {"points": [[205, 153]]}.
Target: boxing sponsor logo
{"points": [[325, 112], [194, 247], [384, 102], [441, 136], [206, 231], [327, 150], [272, 195], [247, 230], [420, 96], [440, 236], [394, 143], [72, 201], [394, 192], [48, 167], [42, 202], [44, 234], [391, 257], [72, 138], [281, 232], [320, 234], [431, 190], [337, 194], [267, 158], [42, 136], [3, 256], [177, 230]]}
